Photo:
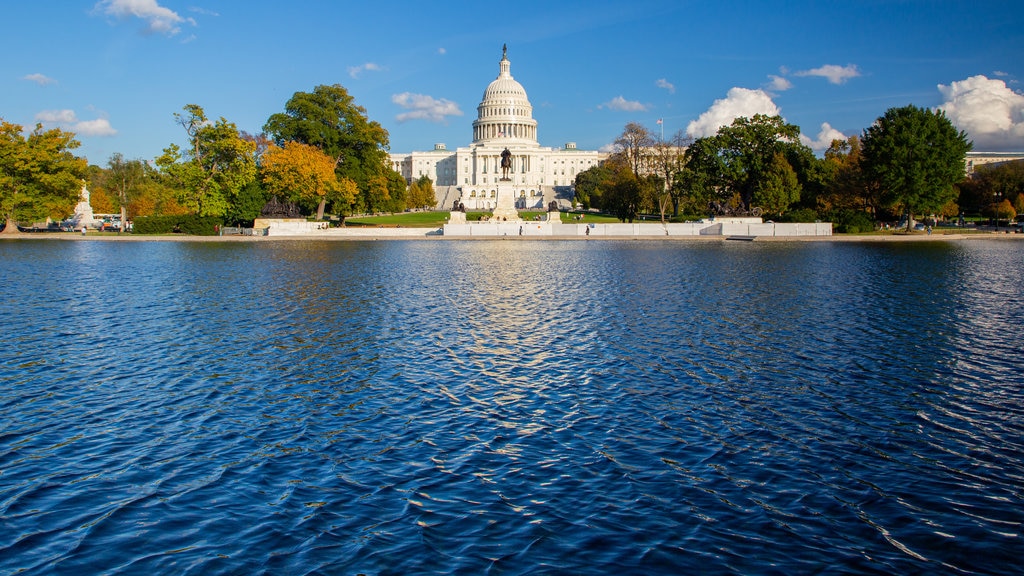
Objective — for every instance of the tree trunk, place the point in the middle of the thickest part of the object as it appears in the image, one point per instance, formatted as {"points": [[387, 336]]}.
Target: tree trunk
{"points": [[124, 222], [320, 209], [11, 228], [910, 220]]}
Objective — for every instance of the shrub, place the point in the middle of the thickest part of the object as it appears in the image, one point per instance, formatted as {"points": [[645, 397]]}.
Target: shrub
{"points": [[853, 222], [183, 223], [801, 215]]}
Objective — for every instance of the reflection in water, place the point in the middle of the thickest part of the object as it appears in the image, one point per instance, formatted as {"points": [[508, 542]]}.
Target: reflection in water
{"points": [[518, 407]]}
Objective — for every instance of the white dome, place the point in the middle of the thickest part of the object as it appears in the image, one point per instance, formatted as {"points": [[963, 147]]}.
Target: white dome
{"points": [[505, 116]]}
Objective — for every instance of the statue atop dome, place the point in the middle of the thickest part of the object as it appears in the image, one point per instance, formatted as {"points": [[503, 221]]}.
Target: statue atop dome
{"points": [[504, 51]]}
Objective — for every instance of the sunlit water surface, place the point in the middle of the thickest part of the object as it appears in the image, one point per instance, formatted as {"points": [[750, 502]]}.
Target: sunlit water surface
{"points": [[511, 407]]}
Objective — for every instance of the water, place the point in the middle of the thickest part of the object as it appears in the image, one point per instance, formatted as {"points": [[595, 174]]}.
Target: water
{"points": [[511, 407]]}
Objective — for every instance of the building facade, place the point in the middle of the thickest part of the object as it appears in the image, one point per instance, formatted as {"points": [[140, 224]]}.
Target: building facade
{"points": [[470, 174]]}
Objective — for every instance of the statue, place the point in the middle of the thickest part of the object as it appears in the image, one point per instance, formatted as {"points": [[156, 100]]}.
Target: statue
{"points": [[506, 163]]}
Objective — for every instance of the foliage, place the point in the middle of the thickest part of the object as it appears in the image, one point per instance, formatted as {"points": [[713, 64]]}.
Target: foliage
{"points": [[304, 174], [624, 196], [123, 179], [734, 163], [248, 204], [39, 176], [778, 188], [181, 223], [215, 167], [329, 119], [916, 156], [992, 182], [421, 194], [632, 147], [589, 182], [800, 215], [853, 222], [1001, 210]]}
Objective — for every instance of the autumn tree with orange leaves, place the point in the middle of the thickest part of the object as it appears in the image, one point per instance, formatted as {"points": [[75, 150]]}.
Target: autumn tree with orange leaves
{"points": [[303, 174]]}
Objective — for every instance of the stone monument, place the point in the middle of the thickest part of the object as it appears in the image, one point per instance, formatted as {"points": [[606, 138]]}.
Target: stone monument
{"points": [[83, 215]]}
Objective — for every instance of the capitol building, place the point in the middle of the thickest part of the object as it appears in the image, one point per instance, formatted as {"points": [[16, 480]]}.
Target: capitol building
{"points": [[470, 174]]}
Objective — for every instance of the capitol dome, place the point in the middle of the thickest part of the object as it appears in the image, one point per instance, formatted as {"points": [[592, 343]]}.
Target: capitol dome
{"points": [[505, 116]]}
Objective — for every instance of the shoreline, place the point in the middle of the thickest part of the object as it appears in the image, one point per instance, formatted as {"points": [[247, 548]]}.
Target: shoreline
{"points": [[363, 237]]}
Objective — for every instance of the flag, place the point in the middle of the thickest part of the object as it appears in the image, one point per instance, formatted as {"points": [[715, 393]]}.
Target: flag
{"points": [[659, 121]]}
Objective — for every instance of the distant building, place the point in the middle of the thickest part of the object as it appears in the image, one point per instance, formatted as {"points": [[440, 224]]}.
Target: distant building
{"points": [[975, 159], [470, 174]]}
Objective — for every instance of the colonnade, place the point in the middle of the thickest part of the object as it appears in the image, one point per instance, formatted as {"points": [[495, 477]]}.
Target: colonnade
{"points": [[504, 130]]}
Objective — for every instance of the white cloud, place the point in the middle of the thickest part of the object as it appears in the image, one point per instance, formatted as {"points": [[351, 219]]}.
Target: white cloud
{"points": [[442, 51], [56, 116], [355, 71], [824, 139], [68, 120], [40, 79], [97, 127], [779, 84], [990, 113], [739, 102], [423, 107], [620, 103], [158, 19], [663, 83], [835, 74]]}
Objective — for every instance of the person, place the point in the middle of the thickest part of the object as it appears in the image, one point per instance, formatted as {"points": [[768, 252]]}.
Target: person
{"points": [[520, 230], [83, 229], [588, 230]]}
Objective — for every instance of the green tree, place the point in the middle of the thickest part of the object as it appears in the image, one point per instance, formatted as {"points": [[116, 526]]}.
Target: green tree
{"points": [[329, 119], [248, 204], [778, 188], [122, 179], [215, 167], [589, 185], [39, 176], [916, 156], [732, 164], [624, 194]]}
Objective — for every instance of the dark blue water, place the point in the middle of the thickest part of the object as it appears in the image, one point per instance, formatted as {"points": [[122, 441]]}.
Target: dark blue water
{"points": [[511, 407]]}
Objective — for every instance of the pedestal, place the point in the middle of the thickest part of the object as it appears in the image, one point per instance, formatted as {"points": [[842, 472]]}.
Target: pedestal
{"points": [[505, 203]]}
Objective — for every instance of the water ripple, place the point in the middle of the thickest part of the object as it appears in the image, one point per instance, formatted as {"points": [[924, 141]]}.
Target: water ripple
{"points": [[511, 407]]}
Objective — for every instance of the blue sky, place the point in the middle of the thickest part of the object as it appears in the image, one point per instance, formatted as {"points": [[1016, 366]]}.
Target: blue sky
{"points": [[115, 71]]}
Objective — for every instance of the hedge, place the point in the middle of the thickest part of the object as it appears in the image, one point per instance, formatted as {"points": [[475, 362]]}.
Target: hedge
{"points": [[184, 224]]}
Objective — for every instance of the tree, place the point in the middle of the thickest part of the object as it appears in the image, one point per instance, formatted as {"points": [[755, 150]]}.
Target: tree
{"points": [[421, 193], [667, 160], [329, 119], [733, 163], [916, 156], [1001, 211], [778, 188], [625, 195], [633, 144], [39, 176], [122, 179], [216, 166], [304, 174], [990, 183]]}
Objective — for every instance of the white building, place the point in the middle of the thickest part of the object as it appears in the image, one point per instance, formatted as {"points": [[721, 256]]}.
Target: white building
{"points": [[470, 174]]}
